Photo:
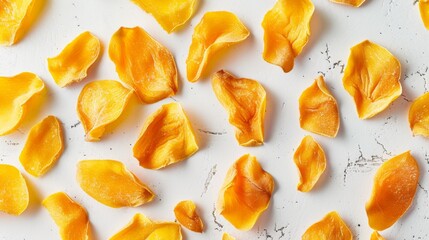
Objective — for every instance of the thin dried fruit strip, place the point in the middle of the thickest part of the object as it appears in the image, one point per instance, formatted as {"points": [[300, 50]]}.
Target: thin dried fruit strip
{"points": [[245, 193], [424, 12], [226, 236], [395, 185], [143, 64], [245, 101], [14, 196], [167, 137], [372, 78], [330, 227], [418, 116], [186, 214], [13, 16], [216, 31], [112, 184], [286, 31], [354, 3], [376, 236]]}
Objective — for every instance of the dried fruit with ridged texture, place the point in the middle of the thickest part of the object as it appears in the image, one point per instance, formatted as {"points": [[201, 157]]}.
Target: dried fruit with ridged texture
{"points": [[226, 236], [376, 236], [424, 12], [353, 3], [14, 15], [418, 116], [330, 227], [186, 214], [14, 195]]}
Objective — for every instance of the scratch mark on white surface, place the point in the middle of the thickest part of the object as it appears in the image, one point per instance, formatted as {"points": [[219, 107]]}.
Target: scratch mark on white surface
{"points": [[361, 164], [218, 224], [209, 179], [211, 132], [383, 147], [75, 125]]}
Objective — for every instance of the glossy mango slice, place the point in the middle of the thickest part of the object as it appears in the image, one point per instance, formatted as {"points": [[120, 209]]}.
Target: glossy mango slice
{"points": [[353, 3], [395, 185], [245, 100], [216, 31], [143, 64], [226, 236], [245, 193], [186, 214], [330, 227], [376, 236], [13, 14], [418, 116], [424, 12], [14, 195], [372, 78]]}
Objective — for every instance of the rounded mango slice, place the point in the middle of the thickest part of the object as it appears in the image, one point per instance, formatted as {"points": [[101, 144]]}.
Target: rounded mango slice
{"points": [[418, 116], [13, 14], [14, 195], [376, 236], [353, 3], [226, 236], [424, 12], [330, 227], [186, 214]]}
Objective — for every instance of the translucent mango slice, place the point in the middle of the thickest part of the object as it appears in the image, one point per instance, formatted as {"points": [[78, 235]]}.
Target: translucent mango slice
{"points": [[310, 160], [14, 195], [226, 236], [143, 64], [15, 92], [245, 193], [424, 12], [372, 78], [353, 3], [245, 101], [12, 17], [186, 214], [110, 183], [330, 227], [376, 236], [216, 31], [318, 110], [43, 147], [100, 103], [70, 217], [418, 116], [286, 31], [395, 185], [72, 64], [167, 137]]}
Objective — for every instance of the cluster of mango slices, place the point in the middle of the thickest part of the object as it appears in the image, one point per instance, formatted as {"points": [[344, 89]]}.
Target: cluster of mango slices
{"points": [[148, 70]]}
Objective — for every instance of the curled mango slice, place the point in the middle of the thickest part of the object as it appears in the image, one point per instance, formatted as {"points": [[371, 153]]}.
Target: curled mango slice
{"points": [[424, 12], [418, 116], [216, 31], [330, 227], [245, 101], [13, 14], [395, 185], [354, 3], [226, 236], [376, 236], [110, 183], [143, 64], [372, 78], [186, 214], [245, 193], [167, 137], [14, 196], [286, 31]]}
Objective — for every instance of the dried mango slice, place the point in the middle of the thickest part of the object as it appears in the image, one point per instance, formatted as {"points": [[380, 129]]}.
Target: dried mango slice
{"points": [[424, 12], [216, 31], [418, 116], [354, 3], [330, 227], [143, 64], [14, 195], [395, 185], [376, 236], [372, 78], [318, 110], [100, 103], [110, 183], [167, 137], [70, 217], [186, 214], [286, 31], [13, 14], [245, 193], [245, 101], [226, 236]]}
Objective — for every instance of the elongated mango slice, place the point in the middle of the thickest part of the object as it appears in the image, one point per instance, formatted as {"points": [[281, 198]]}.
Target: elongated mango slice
{"points": [[186, 214], [353, 3], [376, 236], [110, 183], [245, 193], [13, 14], [286, 31], [14, 197], [318, 110], [330, 227], [418, 116], [70, 217], [226, 236], [372, 78], [395, 185], [143, 64], [245, 101], [167, 137], [424, 12], [216, 31]]}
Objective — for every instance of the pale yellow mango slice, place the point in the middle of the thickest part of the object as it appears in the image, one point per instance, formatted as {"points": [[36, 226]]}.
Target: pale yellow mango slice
{"points": [[329, 228], [376, 236], [14, 197], [353, 3], [424, 12], [187, 215], [13, 14], [418, 116]]}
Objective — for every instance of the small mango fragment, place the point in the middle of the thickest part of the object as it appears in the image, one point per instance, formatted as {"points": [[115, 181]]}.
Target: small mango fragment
{"points": [[376, 236], [330, 227], [245, 101], [372, 78], [226, 236], [216, 31], [353, 3], [418, 116], [186, 214], [13, 14], [14, 197], [424, 12]]}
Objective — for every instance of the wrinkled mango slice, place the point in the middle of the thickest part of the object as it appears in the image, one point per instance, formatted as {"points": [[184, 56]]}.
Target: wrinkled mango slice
{"points": [[216, 31], [418, 116], [424, 12], [245, 193], [112, 184], [100, 103], [318, 110], [372, 78], [330, 227], [245, 101], [167, 137], [286, 31], [353, 3], [12, 18], [14, 195], [376, 236], [15, 92], [70, 217], [186, 214], [226, 236], [310, 160], [395, 185], [143, 64], [43, 147]]}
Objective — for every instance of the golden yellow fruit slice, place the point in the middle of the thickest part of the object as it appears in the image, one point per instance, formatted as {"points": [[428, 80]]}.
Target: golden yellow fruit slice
{"points": [[216, 31], [245, 100], [112, 184], [14, 196], [330, 227], [353, 3], [418, 116], [13, 14], [186, 214], [167, 137], [376, 236], [143, 64], [395, 185], [424, 12], [245, 193], [372, 78], [226, 236]]}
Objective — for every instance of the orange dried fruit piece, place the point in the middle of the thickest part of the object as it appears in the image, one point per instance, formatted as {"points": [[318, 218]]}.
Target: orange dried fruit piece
{"points": [[372, 78], [14, 195], [226, 236], [216, 31], [245, 193], [13, 14], [186, 214], [167, 137], [395, 185], [330, 227], [245, 101], [376, 236], [112, 184], [353, 3], [424, 12], [143, 64], [418, 116]]}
